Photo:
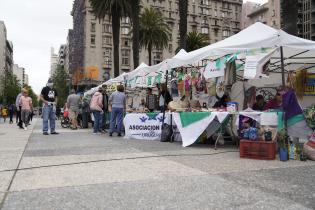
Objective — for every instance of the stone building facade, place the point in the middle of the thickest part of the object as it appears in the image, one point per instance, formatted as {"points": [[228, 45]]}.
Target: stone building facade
{"points": [[91, 47], [268, 13]]}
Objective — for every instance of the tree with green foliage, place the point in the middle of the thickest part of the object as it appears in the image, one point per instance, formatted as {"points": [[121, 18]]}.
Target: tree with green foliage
{"points": [[154, 31], [61, 85], [11, 88], [196, 40], [116, 9]]}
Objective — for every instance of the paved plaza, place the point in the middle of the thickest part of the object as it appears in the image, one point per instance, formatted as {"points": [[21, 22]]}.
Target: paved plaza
{"points": [[78, 170]]}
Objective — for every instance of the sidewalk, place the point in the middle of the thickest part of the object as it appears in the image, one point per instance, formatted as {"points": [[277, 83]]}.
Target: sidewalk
{"points": [[78, 170], [13, 142]]}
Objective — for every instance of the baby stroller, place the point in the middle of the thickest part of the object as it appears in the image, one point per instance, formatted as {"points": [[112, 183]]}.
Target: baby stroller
{"points": [[65, 121]]}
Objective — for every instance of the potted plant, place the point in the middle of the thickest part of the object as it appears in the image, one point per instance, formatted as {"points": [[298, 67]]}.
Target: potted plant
{"points": [[283, 148]]}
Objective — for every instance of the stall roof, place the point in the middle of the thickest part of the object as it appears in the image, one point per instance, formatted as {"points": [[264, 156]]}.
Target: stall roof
{"points": [[256, 36]]}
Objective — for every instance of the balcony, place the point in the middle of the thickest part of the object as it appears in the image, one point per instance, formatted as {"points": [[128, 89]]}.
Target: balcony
{"points": [[263, 8]]}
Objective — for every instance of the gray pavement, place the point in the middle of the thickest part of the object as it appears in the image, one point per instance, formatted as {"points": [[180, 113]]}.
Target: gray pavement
{"points": [[78, 170]]}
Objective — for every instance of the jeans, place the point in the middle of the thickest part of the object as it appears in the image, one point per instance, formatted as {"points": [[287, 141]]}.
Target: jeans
{"points": [[49, 114], [25, 116], [18, 118], [97, 121], [116, 116], [104, 120], [11, 117]]}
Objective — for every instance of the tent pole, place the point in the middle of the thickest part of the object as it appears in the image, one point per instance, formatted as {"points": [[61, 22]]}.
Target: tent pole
{"points": [[282, 66], [166, 81]]}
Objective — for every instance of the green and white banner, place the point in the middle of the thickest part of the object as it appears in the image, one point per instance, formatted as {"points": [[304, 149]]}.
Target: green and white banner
{"points": [[192, 124]]}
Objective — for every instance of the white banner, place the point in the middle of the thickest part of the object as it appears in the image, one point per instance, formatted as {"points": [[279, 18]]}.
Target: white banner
{"points": [[144, 126], [254, 65], [214, 69]]}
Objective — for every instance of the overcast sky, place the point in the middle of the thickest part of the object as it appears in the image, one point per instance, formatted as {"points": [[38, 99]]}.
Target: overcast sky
{"points": [[34, 26]]}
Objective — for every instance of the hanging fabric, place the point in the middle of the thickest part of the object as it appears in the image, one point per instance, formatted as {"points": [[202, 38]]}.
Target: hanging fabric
{"points": [[230, 73]]}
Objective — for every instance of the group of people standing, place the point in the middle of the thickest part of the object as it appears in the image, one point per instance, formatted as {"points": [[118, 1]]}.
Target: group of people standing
{"points": [[101, 104]]}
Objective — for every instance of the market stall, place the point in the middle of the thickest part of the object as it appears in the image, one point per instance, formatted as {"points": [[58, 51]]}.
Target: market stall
{"points": [[256, 57]]}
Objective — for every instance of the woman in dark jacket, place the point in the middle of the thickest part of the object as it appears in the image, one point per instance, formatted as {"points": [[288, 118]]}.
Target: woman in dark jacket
{"points": [[164, 97]]}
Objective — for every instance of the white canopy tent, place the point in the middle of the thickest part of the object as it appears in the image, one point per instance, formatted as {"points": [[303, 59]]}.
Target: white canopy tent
{"points": [[296, 51], [256, 36]]}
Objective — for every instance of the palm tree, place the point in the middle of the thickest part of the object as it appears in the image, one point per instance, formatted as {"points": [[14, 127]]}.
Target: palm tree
{"points": [[196, 40], [116, 9], [153, 32], [183, 7], [135, 12]]}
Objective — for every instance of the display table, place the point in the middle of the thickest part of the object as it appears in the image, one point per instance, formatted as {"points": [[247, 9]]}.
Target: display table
{"points": [[148, 126]]}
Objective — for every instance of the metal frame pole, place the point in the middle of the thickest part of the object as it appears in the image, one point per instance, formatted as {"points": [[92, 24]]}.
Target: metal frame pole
{"points": [[282, 66], [166, 81]]}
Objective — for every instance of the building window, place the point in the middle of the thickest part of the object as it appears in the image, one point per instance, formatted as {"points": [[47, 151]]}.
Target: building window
{"points": [[92, 39], [125, 57], [93, 27], [124, 30], [226, 33], [107, 28], [157, 57], [107, 52], [205, 11], [204, 21], [125, 20], [194, 9], [125, 42], [204, 30], [107, 56], [125, 61], [194, 28], [215, 13], [107, 40], [205, 2]]}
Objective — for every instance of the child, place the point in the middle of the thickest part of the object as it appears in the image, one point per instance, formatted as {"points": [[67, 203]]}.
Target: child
{"points": [[4, 113], [26, 107]]}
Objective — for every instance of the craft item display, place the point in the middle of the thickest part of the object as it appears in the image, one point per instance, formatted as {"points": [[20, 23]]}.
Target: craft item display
{"points": [[232, 106]]}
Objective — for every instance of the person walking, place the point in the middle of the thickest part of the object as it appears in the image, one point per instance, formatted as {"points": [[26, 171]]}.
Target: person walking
{"points": [[117, 106], [4, 113], [49, 97], [11, 112], [26, 108], [105, 108], [18, 109], [96, 106], [73, 102]]}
